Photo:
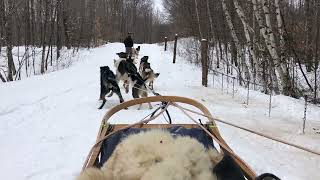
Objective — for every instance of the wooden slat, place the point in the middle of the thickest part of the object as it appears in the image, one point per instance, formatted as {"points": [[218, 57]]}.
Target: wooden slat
{"points": [[155, 126], [96, 150]]}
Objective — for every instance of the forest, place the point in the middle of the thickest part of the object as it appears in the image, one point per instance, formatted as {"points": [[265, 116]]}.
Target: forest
{"points": [[274, 43], [271, 42]]}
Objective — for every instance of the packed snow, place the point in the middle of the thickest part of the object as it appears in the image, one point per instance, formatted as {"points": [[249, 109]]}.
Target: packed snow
{"points": [[48, 123]]}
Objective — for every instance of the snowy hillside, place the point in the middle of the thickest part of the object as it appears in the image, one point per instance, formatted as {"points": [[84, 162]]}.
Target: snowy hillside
{"points": [[31, 66], [48, 123]]}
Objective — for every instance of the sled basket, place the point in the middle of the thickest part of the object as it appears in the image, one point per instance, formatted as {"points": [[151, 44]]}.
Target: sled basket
{"points": [[232, 167]]}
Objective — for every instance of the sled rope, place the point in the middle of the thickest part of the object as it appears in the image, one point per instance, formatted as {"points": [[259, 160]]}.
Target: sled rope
{"points": [[161, 107], [168, 121], [253, 132], [142, 121], [155, 94], [148, 88], [246, 129], [228, 149]]}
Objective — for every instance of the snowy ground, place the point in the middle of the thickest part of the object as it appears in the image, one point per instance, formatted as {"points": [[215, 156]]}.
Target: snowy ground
{"points": [[48, 123]]}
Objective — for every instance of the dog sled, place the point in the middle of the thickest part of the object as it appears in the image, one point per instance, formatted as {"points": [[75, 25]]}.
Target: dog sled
{"points": [[231, 167]]}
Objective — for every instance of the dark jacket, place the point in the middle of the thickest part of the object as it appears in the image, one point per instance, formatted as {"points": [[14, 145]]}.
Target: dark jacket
{"points": [[128, 42]]}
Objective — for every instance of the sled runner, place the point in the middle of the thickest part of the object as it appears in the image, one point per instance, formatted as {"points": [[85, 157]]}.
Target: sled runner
{"points": [[231, 167]]}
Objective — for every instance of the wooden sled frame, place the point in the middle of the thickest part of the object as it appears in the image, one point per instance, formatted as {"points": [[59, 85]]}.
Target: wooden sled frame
{"points": [[106, 128]]}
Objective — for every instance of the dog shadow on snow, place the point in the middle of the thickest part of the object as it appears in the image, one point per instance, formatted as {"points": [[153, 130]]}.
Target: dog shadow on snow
{"points": [[110, 103]]}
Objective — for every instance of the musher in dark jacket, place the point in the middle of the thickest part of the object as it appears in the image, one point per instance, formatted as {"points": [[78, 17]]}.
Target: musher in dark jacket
{"points": [[128, 42]]}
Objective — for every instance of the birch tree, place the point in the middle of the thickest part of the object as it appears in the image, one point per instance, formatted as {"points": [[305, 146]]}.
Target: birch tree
{"points": [[236, 40], [247, 29], [266, 34], [277, 38]]}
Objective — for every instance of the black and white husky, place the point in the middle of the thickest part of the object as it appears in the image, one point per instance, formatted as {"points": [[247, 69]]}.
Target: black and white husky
{"points": [[135, 54], [124, 68], [108, 85], [139, 89], [147, 72], [143, 60]]}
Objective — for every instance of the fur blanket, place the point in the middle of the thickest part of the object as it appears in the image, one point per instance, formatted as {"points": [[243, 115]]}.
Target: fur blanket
{"points": [[157, 155]]}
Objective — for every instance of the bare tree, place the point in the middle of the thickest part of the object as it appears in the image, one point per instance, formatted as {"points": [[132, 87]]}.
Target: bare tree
{"points": [[236, 41], [247, 29], [8, 40], [316, 56], [198, 18], [308, 30]]}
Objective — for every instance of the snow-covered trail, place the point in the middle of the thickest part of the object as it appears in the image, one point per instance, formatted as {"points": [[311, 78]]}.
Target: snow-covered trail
{"points": [[48, 123]]}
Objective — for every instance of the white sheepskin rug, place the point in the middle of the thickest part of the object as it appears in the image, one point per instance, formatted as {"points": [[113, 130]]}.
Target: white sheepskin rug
{"points": [[157, 155]]}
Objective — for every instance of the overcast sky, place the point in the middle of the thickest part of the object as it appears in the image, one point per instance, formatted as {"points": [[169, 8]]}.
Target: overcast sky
{"points": [[158, 4]]}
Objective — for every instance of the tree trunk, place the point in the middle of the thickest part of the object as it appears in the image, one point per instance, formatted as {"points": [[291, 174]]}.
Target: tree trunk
{"points": [[92, 10], [2, 78], [9, 25], [211, 21], [281, 30], [236, 41], [33, 24], [268, 35], [10, 62], [44, 33], [247, 30], [198, 18], [308, 31], [316, 59], [58, 34], [65, 26], [2, 24], [53, 19]]}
